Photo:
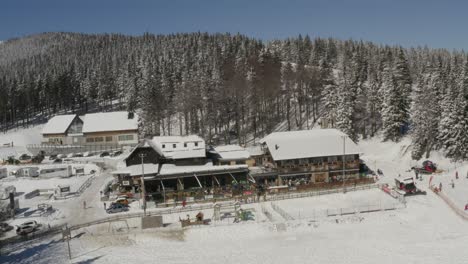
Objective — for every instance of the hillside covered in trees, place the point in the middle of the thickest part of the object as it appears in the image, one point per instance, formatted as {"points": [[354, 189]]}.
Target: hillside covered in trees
{"points": [[233, 88]]}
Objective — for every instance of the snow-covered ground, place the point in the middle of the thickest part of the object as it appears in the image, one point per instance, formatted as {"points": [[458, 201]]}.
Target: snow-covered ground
{"points": [[425, 231], [22, 136]]}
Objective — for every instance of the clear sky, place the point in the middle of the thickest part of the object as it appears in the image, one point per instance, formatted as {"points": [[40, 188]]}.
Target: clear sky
{"points": [[437, 24]]}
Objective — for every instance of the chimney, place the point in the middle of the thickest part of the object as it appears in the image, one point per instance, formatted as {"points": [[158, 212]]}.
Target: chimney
{"points": [[131, 115], [276, 146]]}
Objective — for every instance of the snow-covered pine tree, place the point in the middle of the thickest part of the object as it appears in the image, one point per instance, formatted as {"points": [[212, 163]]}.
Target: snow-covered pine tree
{"points": [[425, 112]]}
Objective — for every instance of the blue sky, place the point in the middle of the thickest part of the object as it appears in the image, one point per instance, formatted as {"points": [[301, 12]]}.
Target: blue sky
{"points": [[437, 24]]}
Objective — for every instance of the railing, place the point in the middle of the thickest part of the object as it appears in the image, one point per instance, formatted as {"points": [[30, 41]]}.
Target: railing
{"points": [[277, 197], [281, 212]]}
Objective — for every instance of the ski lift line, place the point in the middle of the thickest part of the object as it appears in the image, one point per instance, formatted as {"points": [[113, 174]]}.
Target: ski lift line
{"points": [[199, 183]]}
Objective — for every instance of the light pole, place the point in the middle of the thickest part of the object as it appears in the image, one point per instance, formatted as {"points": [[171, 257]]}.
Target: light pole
{"points": [[344, 160], [143, 190]]}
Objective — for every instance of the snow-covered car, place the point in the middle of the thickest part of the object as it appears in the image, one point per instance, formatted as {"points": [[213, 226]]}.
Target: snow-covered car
{"points": [[104, 154], [61, 156], [117, 208], [71, 155], [52, 157], [88, 154], [27, 227]]}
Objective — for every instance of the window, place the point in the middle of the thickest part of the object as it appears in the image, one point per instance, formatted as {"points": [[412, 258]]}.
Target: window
{"points": [[163, 145], [185, 144], [174, 145], [196, 144], [98, 139], [125, 137], [108, 138], [89, 140]]}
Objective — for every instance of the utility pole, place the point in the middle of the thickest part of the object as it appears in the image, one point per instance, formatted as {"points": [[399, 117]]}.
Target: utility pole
{"points": [[143, 190], [344, 162]]}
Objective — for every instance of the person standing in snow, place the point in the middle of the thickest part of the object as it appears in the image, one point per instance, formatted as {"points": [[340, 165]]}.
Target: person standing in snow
{"points": [[456, 175], [466, 207], [440, 187], [453, 184]]}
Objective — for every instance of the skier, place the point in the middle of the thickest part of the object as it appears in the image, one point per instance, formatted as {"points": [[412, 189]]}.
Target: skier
{"points": [[184, 203], [105, 207], [84, 204], [440, 187], [456, 175], [466, 207], [453, 184]]}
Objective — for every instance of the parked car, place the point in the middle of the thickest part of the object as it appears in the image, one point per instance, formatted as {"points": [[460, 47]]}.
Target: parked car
{"points": [[61, 156], [58, 161], [25, 157], [116, 153], [78, 155], [117, 208], [104, 154], [71, 155], [27, 227], [53, 157], [88, 154]]}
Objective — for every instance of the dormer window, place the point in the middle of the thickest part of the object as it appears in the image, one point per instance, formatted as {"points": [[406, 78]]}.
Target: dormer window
{"points": [[163, 145], [196, 144], [174, 145], [185, 144]]}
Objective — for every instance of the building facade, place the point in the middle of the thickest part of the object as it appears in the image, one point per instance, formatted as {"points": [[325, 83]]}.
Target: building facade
{"points": [[113, 128], [311, 156]]}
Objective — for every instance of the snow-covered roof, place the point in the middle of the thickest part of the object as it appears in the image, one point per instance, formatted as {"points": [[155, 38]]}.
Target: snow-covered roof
{"points": [[136, 170], [185, 146], [111, 121], [255, 150], [170, 169], [58, 124], [231, 152], [308, 144]]}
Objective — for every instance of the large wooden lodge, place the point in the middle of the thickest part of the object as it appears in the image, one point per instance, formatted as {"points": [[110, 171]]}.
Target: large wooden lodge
{"points": [[183, 167]]}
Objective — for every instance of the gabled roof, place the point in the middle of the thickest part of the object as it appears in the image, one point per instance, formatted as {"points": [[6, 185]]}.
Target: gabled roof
{"points": [[308, 144], [111, 121], [58, 124], [231, 152], [164, 146]]}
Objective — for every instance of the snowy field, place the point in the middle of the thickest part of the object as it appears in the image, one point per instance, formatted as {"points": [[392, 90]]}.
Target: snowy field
{"points": [[22, 136], [320, 206], [425, 231]]}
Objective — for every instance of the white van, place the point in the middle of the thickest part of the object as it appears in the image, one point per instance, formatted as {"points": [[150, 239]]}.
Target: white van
{"points": [[27, 172], [63, 171]]}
